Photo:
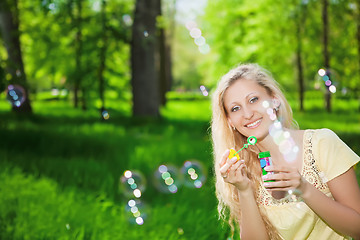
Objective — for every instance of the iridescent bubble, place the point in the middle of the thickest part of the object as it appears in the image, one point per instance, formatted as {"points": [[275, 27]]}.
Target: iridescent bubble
{"points": [[194, 173], [132, 183], [328, 83], [167, 179], [146, 34], [135, 211], [15, 94]]}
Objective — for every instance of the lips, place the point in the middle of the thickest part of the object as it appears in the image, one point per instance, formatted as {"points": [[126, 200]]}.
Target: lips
{"points": [[253, 124]]}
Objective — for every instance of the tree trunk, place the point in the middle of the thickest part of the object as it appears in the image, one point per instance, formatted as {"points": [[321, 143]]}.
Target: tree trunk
{"points": [[326, 50], [78, 53], [162, 57], [103, 49], [9, 26], [300, 22], [145, 82], [358, 38]]}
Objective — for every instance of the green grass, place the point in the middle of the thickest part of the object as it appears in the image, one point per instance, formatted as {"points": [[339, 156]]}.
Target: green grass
{"points": [[60, 169]]}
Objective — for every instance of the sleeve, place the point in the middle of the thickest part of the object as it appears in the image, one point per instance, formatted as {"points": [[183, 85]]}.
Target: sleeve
{"points": [[332, 155]]}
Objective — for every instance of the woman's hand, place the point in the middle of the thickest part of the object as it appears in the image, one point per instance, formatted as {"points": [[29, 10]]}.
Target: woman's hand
{"points": [[234, 172], [286, 178]]}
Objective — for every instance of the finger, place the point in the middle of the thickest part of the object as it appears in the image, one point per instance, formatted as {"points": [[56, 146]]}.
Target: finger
{"points": [[278, 185], [224, 169], [279, 168], [224, 157], [237, 164]]}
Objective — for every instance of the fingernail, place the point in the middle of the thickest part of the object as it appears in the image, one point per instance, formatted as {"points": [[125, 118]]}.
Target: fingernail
{"points": [[233, 160], [266, 184], [266, 168], [265, 177]]}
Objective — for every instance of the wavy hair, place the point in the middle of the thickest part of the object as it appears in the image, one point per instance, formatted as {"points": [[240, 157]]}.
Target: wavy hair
{"points": [[224, 137]]}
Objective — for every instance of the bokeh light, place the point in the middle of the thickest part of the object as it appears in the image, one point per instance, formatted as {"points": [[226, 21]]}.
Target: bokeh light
{"points": [[194, 173], [15, 95], [132, 183], [167, 179]]}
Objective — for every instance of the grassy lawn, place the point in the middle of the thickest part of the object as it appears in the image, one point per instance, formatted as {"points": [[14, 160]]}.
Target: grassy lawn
{"points": [[60, 169]]}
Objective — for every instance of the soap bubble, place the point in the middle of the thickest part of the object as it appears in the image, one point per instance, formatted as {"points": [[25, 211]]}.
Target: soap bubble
{"points": [[105, 115], [132, 183], [15, 94], [135, 211], [194, 174], [167, 179]]}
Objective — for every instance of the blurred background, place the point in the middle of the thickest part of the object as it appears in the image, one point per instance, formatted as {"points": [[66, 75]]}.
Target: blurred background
{"points": [[105, 105]]}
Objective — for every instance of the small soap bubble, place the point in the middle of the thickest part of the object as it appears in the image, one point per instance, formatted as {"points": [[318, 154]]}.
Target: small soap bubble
{"points": [[200, 41], [167, 179], [322, 72], [266, 104], [15, 95], [190, 25], [67, 226], [204, 91], [146, 34], [180, 231], [204, 49], [136, 211], [127, 19], [194, 173], [195, 32], [332, 89], [132, 183], [105, 115]]}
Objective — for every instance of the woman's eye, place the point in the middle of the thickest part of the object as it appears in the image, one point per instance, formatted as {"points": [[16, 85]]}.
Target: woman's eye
{"points": [[234, 109], [254, 99]]}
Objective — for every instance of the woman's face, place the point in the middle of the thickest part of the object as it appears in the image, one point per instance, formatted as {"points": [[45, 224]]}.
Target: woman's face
{"points": [[243, 102]]}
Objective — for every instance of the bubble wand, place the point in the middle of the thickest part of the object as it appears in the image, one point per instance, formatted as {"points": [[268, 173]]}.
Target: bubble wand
{"points": [[251, 141]]}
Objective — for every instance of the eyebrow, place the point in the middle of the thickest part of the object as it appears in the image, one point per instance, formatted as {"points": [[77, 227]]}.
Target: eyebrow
{"points": [[247, 96]]}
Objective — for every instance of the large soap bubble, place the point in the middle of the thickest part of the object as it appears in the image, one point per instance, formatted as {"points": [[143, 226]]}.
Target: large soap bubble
{"points": [[132, 183], [167, 179]]}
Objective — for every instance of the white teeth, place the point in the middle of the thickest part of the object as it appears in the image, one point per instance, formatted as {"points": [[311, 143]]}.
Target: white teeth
{"points": [[253, 124]]}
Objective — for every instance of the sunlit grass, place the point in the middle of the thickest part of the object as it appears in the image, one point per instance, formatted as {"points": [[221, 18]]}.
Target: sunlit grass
{"points": [[60, 169]]}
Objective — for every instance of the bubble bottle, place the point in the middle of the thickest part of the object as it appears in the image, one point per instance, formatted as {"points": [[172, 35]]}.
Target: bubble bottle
{"points": [[265, 160]]}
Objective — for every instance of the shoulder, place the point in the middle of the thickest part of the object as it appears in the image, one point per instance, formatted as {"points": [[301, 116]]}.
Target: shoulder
{"points": [[324, 135]]}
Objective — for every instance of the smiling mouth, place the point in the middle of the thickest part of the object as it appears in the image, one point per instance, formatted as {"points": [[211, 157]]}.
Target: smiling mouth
{"points": [[253, 124]]}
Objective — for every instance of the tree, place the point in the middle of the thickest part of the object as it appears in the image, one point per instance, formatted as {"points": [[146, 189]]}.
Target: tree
{"points": [[9, 26], [300, 17], [326, 54], [145, 81]]}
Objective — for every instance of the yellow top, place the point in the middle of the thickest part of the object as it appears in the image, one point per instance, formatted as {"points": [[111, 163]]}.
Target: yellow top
{"points": [[325, 157]]}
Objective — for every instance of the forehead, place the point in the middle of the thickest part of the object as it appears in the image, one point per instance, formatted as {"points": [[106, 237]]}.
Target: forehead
{"points": [[241, 89]]}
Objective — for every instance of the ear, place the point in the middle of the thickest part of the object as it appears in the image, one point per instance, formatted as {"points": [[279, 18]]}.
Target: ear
{"points": [[276, 103]]}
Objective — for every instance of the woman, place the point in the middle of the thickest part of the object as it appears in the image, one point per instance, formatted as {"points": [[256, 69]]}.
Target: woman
{"points": [[327, 203]]}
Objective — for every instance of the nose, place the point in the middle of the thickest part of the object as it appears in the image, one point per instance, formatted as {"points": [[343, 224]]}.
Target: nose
{"points": [[248, 112]]}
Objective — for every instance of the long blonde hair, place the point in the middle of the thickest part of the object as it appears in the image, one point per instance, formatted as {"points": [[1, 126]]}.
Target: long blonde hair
{"points": [[224, 137]]}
